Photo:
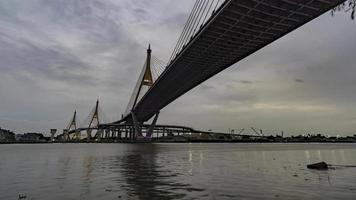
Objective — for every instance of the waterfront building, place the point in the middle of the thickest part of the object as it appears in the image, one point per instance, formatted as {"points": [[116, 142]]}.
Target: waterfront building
{"points": [[6, 135], [31, 137]]}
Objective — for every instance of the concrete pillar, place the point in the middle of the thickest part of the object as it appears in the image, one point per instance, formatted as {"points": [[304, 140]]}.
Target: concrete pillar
{"points": [[118, 133], [99, 133], [88, 135], [107, 133], [77, 135], [53, 132], [65, 135]]}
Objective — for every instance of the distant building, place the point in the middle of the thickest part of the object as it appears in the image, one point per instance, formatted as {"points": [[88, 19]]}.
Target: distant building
{"points": [[7, 135], [31, 137]]}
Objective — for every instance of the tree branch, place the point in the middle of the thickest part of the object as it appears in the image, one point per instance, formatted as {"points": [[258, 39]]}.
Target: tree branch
{"points": [[349, 5]]}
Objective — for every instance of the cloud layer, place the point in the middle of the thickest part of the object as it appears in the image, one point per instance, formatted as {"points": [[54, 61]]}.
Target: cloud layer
{"points": [[57, 56]]}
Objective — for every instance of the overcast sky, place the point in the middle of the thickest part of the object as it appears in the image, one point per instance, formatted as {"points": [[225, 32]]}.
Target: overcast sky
{"points": [[60, 55]]}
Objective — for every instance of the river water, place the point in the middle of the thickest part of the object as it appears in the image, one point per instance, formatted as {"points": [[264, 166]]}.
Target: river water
{"points": [[176, 171]]}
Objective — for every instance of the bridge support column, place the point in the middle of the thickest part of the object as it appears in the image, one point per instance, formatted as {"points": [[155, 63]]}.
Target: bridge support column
{"points": [[150, 130], [107, 133], [53, 132], [133, 133], [65, 135], [131, 130], [88, 135], [163, 131], [77, 135], [137, 127], [126, 133], [113, 133], [99, 134], [118, 133]]}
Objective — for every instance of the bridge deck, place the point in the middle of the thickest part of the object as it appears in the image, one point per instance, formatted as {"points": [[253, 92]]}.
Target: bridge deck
{"points": [[238, 29]]}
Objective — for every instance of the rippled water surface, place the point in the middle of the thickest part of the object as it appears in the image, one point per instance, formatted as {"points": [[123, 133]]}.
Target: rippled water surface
{"points": [[176, 171]]}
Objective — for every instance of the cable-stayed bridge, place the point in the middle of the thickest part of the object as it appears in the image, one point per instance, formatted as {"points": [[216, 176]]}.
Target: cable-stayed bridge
{"points": [[216, 35]]}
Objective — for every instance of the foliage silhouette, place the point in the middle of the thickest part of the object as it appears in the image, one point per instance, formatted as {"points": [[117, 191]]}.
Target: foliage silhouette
{"points": [[349, 5]]}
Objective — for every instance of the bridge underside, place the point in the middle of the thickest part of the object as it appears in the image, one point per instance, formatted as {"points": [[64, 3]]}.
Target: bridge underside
{"points": [[235, 31], [119, 131]]}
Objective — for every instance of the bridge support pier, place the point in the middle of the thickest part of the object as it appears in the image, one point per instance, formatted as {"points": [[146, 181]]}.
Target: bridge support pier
{"points": [[77, 135], [151, 128], [88, 135], [111, 133], [65, 135], [137, 127], [107, 134], [118, 133], [99, 134]]}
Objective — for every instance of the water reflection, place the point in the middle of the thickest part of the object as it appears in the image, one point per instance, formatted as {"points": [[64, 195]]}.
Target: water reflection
{"points": [[191, 163], [342, 155], [88, 166], [64, 168], [146, 179], [176, 171], [307, 155], [201, 158]]}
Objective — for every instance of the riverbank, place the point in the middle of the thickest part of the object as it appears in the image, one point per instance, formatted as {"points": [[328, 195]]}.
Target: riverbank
{"points": [[188, 141]]}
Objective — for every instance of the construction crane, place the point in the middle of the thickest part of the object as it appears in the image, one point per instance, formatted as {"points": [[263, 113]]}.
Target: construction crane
{"points": [[242, 130], [257, 133]]}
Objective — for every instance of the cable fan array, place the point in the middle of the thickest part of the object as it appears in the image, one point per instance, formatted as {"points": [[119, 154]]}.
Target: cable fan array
{"points": [[200, 14]]}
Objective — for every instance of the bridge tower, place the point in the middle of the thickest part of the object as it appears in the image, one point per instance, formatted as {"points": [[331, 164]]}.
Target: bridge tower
{"points": [[145, 79], [94, 122], [72, 126], [95, 117]]}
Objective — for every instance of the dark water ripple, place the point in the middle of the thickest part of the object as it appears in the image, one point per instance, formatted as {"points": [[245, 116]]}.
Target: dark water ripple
{"points": [[176, 171]]}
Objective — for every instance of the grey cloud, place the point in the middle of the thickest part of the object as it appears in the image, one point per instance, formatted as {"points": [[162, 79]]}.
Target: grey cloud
{"points": [[299, 81], [246, 82], [50, 63], [73, 52], [206, 87]]}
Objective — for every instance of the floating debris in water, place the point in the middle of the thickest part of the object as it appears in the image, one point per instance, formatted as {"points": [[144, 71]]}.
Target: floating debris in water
{"points": [[318, 166], [22, 196], [324, 166]]}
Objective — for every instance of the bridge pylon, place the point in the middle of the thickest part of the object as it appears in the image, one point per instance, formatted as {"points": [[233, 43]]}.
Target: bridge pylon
{"points": [[72, 126], [94, 122], [146, 79], [95, 116], [134, 126]]}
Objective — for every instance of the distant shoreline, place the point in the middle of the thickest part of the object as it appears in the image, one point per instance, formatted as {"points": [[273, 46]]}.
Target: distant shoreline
{"points": [[162, 141]]}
